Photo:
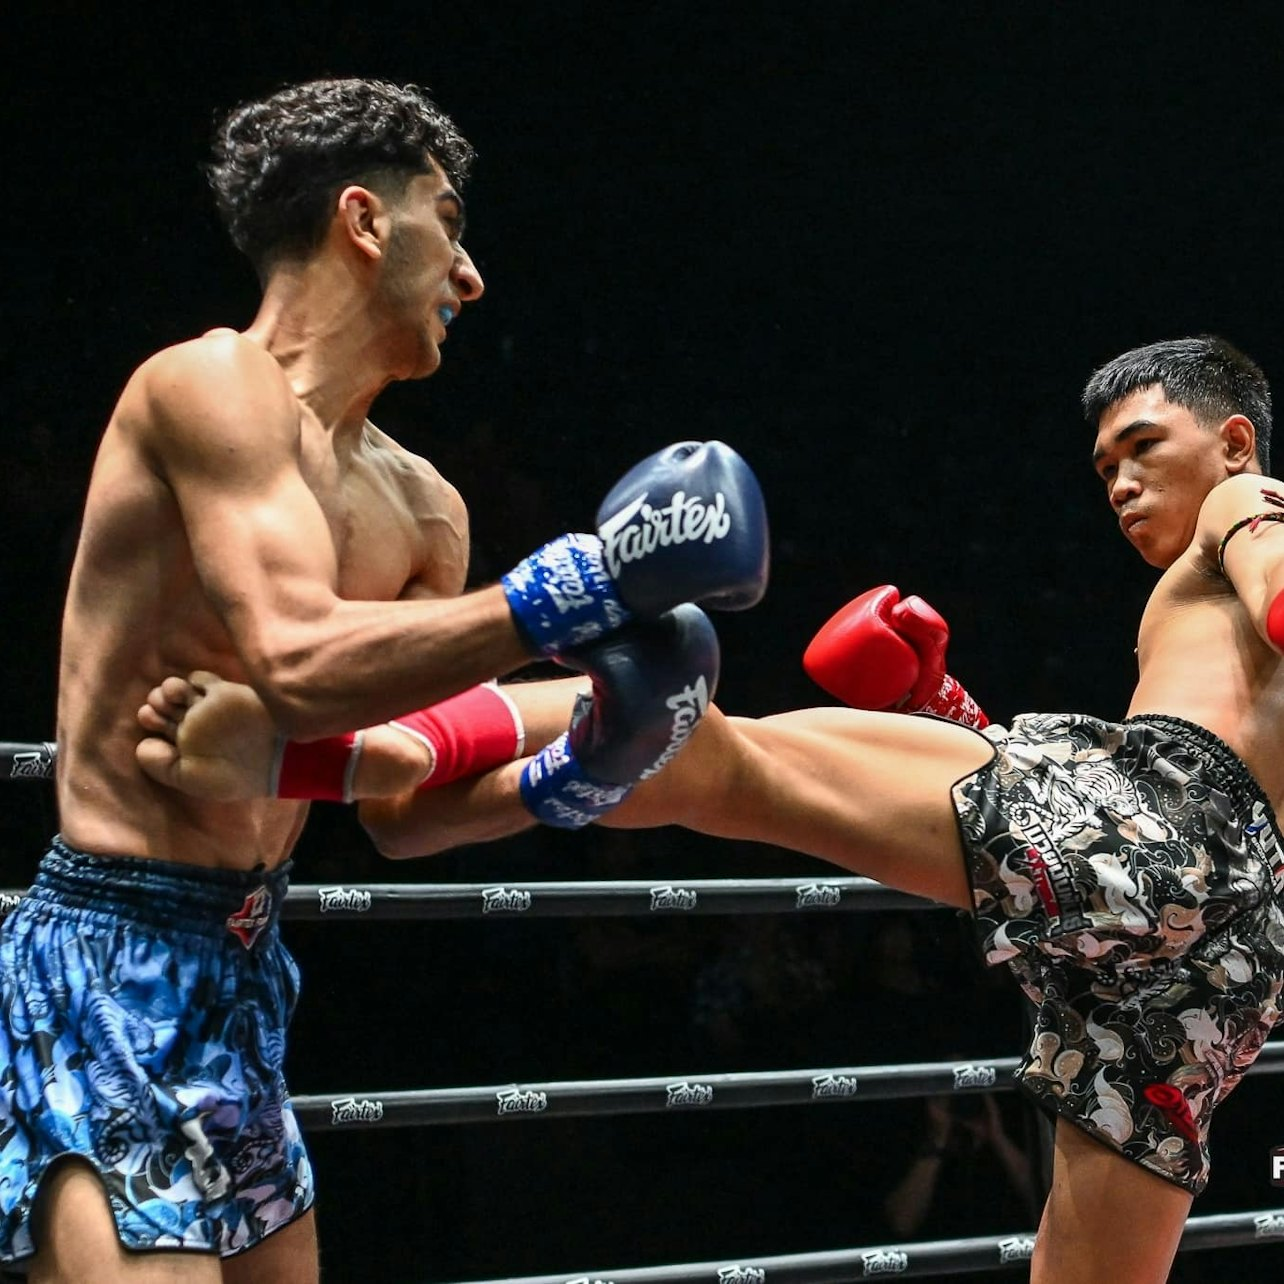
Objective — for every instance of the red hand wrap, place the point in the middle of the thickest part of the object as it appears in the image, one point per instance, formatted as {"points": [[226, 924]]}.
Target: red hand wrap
{"points": [[468, 734], [321, 770], [954, 703]]}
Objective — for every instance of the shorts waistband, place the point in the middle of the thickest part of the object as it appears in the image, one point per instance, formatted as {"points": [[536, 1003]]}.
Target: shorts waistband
{"points": [[191, 898], [1226, 768]]}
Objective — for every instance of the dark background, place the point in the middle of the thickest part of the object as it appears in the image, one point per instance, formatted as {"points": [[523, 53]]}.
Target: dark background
{"points": [[878, 249]]}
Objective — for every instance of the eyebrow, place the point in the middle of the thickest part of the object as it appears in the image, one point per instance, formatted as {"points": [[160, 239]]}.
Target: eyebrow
{"points": [[1129, 430], [460, 220]]}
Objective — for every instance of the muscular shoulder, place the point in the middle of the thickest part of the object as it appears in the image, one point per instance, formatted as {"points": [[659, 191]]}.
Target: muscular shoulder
{"points": [[220, 388], [1237, 498]]}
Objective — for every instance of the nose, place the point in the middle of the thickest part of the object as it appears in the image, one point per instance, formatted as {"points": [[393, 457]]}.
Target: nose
{"points": [[466, 278], [1124, 485]]}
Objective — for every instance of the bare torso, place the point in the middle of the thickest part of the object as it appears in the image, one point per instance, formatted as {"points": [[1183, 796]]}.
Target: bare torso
{"points": [[137, 611], [1202, 658]]}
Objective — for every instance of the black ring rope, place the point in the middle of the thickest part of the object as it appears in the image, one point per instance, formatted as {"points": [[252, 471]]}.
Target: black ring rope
{"points": [[384, 902], [27, 761], [669, 1094], [935, 1257]]}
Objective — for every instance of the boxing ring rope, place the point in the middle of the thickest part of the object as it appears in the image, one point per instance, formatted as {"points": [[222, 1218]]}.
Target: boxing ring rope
{"points": [[669, 1093], [929, 1257]]}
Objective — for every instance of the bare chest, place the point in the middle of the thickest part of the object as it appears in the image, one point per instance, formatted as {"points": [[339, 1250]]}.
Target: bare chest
{"points": [[392, 535]]}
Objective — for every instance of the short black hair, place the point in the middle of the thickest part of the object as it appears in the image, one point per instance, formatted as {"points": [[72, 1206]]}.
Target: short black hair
{"points": [[279, 161], [1207, 375]]}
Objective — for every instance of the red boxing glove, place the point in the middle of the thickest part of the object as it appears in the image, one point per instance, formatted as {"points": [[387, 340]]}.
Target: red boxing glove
{"points": [[879, 652], [466, 735]]}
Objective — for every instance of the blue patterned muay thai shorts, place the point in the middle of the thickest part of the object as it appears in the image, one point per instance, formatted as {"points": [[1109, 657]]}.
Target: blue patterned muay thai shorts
{"points": [[143, 1008], [1132, 875]]}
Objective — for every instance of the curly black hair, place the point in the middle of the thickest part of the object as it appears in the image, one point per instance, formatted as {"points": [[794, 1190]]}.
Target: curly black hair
{"points": [[1207, 375], [280, 161]]}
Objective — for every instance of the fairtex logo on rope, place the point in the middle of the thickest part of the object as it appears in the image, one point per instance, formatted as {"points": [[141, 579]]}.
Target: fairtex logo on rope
{"points": [[888, 1261], [350, 1110], [343, 898], [975, 1076], [818, 896], [687, 519], [673, 898], [513, 1101], [688, 1094], [834, 1085], [741, 1275], [1020, 1248], [505, 900]]}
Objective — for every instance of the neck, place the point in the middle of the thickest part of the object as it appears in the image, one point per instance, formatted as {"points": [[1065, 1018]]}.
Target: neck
{"points": [[316, 320]]}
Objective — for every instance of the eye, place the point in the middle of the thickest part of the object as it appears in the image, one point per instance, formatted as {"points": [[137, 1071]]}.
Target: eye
{"points": [[1143, 445]]}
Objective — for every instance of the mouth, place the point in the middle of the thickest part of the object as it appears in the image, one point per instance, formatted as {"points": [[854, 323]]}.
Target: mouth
{"points": [[1129, 522], [445, 315]]}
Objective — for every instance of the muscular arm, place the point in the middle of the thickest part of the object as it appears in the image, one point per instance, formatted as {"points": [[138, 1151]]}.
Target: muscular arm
{"points": [[1253, 556], [217, 422]]}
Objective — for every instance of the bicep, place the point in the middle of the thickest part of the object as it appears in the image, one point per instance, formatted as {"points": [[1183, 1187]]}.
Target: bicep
{"points": [[260, 543]]}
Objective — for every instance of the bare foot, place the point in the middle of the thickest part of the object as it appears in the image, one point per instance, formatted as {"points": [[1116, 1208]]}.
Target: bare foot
{"points": [[207, 737]]}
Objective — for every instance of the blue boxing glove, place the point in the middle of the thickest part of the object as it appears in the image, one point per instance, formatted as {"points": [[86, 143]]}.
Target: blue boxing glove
{"points": [[652, 683], [687, 524]]}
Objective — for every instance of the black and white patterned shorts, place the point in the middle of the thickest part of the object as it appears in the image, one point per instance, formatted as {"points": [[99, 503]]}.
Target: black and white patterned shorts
{"points": [[1132, 875]]}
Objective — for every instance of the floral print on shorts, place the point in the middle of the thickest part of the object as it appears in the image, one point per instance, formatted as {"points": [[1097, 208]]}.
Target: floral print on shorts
{"points": [[143, 1007], [1132, 875]]}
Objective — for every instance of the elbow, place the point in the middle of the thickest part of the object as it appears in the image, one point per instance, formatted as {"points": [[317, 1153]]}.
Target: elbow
{"points": [[289, 687]]}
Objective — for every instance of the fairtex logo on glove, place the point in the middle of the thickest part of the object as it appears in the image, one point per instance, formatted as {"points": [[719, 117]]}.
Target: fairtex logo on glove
{"points": [[687, 519], [688, 707]]}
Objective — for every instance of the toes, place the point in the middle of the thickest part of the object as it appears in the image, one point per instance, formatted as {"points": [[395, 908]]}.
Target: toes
{"points": [[155, 722]]}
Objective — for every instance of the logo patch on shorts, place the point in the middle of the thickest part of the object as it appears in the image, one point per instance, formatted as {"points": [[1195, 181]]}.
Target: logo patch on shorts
{"points": [[248, 922]]}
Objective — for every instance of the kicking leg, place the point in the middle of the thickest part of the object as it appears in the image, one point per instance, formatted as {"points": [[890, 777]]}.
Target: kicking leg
{"points": [[867, 791]]}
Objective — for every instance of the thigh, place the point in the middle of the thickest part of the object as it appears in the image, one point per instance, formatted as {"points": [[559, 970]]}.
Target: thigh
{"points": [[869, 792], [1106, 1217], [78, 1241], [287, 1256]]}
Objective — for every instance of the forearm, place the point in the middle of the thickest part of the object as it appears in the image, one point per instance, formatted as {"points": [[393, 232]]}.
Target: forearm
{"points": [[360, 663]]}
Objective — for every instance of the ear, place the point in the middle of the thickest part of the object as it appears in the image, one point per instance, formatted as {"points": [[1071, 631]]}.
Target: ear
{"points": [[1239, 443], [362, 219]]}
